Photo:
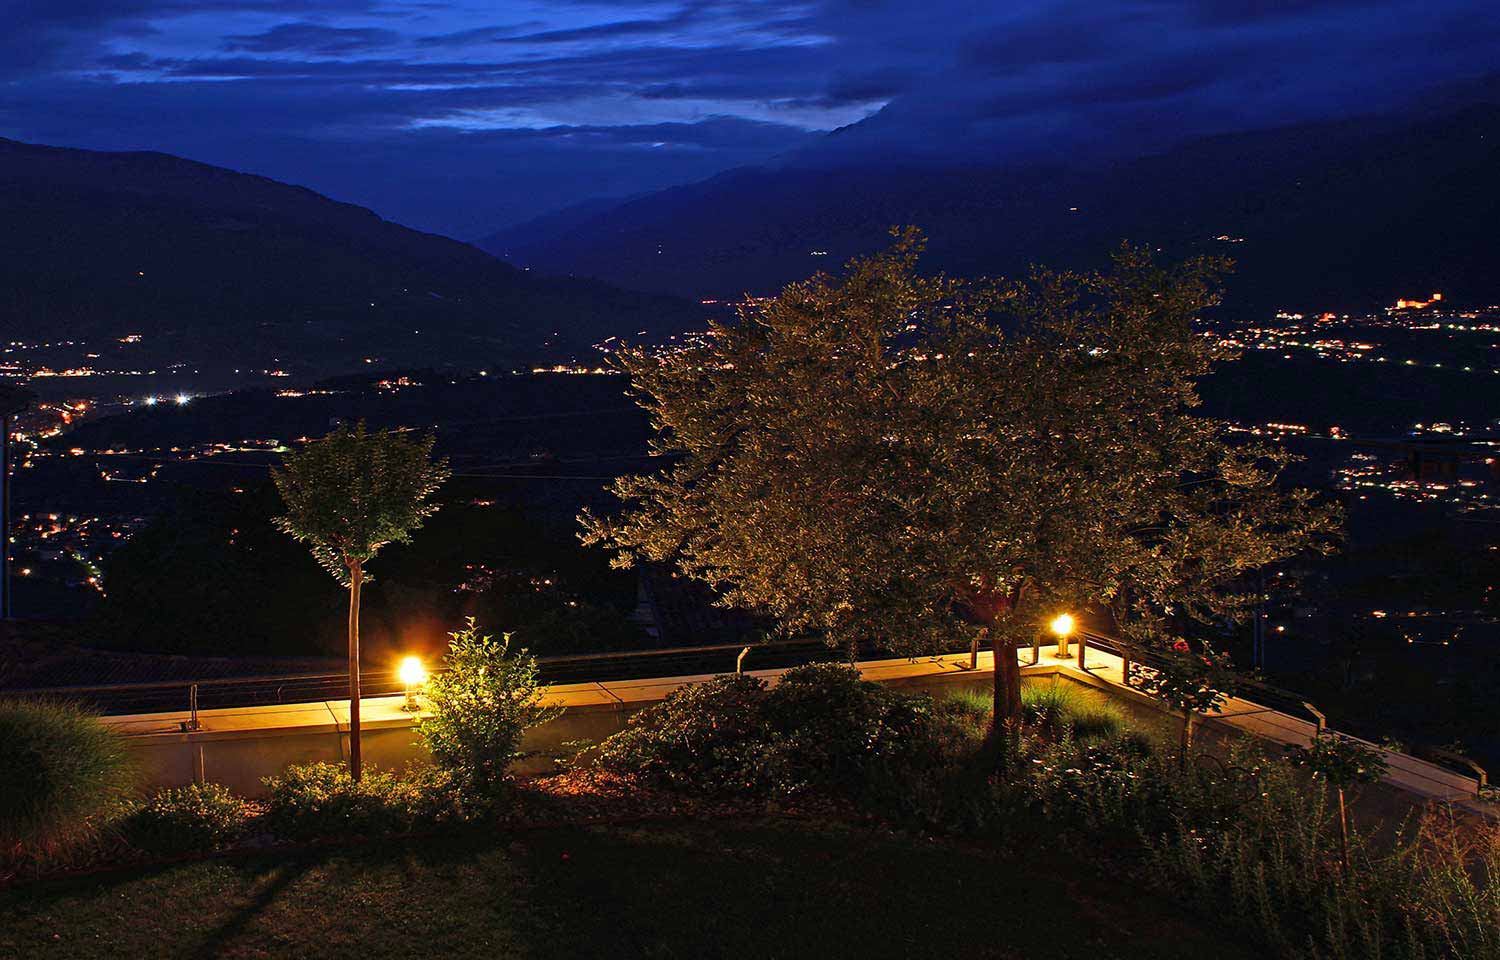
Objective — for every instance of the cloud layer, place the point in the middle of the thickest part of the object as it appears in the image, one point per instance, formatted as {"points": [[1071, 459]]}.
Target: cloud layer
{"points": [[463, 115]]}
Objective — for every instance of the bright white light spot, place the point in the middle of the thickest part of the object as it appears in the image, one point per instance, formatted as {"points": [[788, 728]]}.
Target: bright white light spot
{"points": [[413, 674]]}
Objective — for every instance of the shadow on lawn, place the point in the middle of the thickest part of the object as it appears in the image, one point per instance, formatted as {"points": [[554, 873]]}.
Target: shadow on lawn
{"points": [[230, 929]]}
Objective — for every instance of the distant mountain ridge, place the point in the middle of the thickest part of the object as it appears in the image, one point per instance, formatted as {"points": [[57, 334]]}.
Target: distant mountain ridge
{"points": [[197, 257], [1335, 215]]}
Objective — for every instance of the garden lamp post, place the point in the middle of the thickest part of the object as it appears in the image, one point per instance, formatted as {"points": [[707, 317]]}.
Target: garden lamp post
{"points": [[1062, 625], [413, 675]]}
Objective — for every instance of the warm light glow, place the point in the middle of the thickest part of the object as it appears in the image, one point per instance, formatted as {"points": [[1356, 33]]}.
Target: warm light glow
{"points": [[413, 674], [152, 401], [1062, 625], [181, 399]]}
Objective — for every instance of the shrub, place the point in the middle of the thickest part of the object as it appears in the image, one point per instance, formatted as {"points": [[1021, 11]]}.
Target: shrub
{"points": [[61, 773], [479, 710], [1062, 706], [834, 731], [321, 800], [820, 729], [190, 819], [705, 738]]}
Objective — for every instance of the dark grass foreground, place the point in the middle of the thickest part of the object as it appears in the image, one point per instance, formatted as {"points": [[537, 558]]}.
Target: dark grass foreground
{"points": [[754, 888]]}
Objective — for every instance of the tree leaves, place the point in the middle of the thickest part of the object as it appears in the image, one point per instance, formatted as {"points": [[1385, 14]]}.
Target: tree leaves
{"points": [[857, 454], [352, 492]]}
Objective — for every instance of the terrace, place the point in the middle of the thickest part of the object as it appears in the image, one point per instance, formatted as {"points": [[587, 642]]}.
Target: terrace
{"points": [[238, 746]]}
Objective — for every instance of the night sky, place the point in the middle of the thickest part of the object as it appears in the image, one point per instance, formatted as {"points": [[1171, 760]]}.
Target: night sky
{"points": [[462, 116]]}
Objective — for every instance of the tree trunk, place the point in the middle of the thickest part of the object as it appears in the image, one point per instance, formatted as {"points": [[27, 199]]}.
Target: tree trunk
{"points": [[1187, 733], [1343, 833], [1007, 679], [356, 575]]}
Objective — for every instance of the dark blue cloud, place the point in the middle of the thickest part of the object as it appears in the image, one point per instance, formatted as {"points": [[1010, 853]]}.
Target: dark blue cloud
{"points": [[462, 115], [313, 38]]}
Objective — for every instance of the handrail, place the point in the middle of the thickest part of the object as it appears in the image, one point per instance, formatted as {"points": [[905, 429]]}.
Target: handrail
{"points": [[311, 687]]}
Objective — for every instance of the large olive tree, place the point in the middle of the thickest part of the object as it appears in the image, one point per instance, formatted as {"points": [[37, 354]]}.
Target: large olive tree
{"points": [[347, 495], [885, 455]]}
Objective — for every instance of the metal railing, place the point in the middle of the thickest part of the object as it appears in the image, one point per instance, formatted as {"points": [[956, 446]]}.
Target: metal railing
{"points": [[191, 696], [194, 695]]}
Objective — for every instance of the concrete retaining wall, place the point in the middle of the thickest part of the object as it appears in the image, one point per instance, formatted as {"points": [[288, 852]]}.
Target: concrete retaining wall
{"points": [[240, 747]]}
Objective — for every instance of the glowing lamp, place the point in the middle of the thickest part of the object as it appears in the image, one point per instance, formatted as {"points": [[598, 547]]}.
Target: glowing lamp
{"points": [[181, 399], [413, 675], [1062, 626]]}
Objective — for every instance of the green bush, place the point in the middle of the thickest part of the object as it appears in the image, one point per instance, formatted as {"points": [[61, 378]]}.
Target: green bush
{"points": [[61, 773], [1062, 706], [1249, 839], [820, 729], [318, 800], [704, 738], [479, 709], [191, 819]]}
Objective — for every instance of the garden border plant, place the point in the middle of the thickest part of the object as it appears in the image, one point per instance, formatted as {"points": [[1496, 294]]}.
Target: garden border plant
{"points": [[64, 774]]}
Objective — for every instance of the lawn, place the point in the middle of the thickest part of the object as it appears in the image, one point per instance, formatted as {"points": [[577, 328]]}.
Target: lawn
{"points": [[751, 888]]}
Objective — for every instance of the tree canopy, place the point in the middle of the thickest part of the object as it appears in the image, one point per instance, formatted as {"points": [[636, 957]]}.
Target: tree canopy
{"points": [[352, 492], [891, 456]]}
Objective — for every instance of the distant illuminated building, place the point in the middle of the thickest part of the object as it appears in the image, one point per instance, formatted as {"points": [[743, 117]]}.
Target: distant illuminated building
{"points": [[1418, 304]]}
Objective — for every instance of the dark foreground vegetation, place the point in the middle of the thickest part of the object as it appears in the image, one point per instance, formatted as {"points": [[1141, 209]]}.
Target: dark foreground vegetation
{"points": [[741, 888], [824, 816]]}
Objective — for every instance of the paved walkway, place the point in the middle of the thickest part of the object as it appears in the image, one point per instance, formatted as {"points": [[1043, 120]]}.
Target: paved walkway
{"points": [[1101, 669]]}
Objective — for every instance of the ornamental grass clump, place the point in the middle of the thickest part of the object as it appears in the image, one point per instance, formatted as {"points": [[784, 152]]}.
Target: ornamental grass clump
{"points": [[62, 775], [1060, 706]]}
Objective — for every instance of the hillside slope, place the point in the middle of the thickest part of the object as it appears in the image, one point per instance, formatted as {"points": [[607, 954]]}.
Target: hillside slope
{"points": [[200, 259], [1340, 215]]}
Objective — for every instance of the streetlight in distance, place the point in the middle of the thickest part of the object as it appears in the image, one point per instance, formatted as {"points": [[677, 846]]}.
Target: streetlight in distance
{"points": [[1062, 625], [413, 675]]}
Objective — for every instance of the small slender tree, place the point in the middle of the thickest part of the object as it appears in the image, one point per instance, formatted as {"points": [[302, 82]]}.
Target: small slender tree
{"points": [[1191, 682], [1342, 762], [890, 456], [347, 495]]}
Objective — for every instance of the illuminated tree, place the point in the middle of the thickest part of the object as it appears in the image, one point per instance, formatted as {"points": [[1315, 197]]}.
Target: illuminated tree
{"points": [[347, 495], [889, 456]]}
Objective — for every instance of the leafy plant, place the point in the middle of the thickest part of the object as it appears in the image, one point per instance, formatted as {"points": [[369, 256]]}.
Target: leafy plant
{"points": [[1190, 682], [831, 730], [190, 819], [61, 773], [703, 738], [347, 495], [480, 707], [820, 729], [322, 800]]}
